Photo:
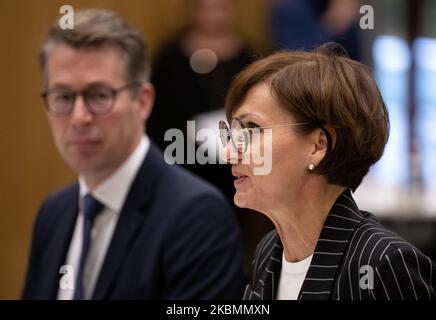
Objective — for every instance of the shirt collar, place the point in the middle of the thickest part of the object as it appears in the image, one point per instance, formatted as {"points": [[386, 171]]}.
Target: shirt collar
{"points": [[112, 192]]}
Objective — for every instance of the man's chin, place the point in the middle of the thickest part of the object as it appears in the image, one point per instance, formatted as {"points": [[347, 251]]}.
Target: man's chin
{"points": [[83, 165]]}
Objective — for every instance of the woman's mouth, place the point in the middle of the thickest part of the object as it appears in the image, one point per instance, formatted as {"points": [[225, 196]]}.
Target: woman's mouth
{"points": [[240, 179]]}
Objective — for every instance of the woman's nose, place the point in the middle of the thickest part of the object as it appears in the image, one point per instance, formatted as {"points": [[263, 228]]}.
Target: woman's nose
{"points": [[230, 154]]}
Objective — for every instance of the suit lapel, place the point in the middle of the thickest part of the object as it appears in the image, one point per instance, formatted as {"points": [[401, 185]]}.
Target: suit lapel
{"points": [[130, 220], [268, 269], [58, 248], [332, 243]]}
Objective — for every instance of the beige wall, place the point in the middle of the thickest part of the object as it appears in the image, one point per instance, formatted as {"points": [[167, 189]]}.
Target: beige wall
{"points": [[30, 167]]}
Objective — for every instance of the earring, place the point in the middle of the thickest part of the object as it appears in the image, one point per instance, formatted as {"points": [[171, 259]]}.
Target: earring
{"points": [[311, 167]]}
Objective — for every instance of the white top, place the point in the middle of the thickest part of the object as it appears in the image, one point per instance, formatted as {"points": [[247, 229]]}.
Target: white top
{"points": [[292, 277], [112, 193]]}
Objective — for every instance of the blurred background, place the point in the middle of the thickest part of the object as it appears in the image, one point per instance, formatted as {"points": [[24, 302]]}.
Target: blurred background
{"points": [[197, 46]]}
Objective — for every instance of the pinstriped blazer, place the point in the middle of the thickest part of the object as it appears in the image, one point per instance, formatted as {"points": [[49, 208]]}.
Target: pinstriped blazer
{"points": [[355, 258]]}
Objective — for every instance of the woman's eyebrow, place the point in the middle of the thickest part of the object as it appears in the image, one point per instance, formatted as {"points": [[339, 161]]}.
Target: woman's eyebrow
{"points": [[247, 115]]}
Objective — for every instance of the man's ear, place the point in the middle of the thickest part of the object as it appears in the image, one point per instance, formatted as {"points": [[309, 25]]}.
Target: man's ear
{"points": [[146, 94]]}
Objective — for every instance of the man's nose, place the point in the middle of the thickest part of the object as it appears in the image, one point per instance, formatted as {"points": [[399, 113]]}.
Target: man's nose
{"points": [[80, 114]]}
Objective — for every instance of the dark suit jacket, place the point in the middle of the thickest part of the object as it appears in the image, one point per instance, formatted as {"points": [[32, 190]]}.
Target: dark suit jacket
{"points": [[355, 258], [176, 238]]}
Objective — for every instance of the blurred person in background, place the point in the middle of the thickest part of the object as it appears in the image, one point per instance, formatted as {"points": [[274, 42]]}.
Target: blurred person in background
{"points": [[305, 24], [328, 126], [191, 75], [132, 227]]}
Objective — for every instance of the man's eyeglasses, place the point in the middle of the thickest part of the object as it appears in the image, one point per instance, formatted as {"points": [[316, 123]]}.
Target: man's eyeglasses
{"points": [[99, 99], [239, 134]]}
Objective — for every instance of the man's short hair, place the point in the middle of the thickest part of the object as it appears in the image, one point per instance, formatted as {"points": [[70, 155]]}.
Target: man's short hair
{"points": [[97, 28]]}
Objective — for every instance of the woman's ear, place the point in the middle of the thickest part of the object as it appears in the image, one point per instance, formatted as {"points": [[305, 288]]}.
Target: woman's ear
{"points": [[320, 144], [332, 135]]}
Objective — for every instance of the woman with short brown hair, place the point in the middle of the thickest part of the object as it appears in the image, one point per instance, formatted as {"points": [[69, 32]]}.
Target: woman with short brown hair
{"points": [[328, 124]]}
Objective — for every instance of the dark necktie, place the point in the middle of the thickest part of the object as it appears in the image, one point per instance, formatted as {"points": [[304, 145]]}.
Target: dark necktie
{"points": [[91, 207]]}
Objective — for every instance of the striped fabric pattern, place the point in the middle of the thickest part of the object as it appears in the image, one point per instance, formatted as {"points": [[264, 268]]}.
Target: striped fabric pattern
{"points": [[355, 259]]}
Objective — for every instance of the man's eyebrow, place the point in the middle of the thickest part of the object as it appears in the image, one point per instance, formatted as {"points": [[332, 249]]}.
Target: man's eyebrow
{"points": [[99, 83], [91, 84], [59, 86]]}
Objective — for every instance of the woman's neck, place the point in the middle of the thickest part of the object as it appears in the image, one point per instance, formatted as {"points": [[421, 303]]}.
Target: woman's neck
{"points": [[299, 223]]}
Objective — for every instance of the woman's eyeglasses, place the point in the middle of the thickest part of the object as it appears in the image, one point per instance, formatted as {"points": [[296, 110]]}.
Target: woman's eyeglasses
{"points": [[239, 134]]}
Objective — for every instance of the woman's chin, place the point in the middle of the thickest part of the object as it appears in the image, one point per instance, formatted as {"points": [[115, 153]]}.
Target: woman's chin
{"points": [[241, 200]]}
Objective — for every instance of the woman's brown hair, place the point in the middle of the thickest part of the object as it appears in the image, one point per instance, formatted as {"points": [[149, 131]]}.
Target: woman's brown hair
{"points": [[328, 90]]}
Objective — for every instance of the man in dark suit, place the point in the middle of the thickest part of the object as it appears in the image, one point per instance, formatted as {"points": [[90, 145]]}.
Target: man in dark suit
{"points": [[133, 227]]}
